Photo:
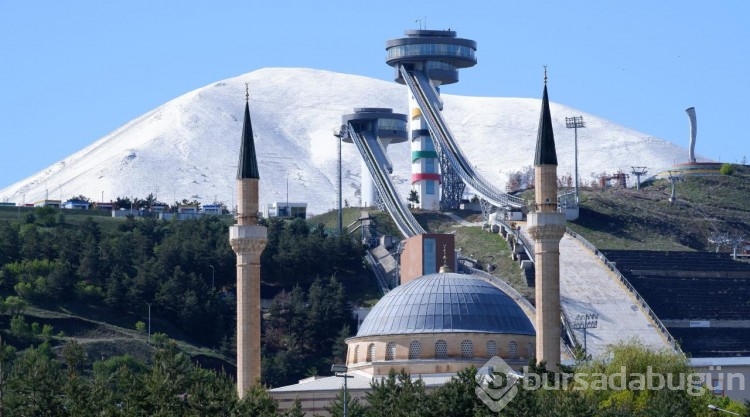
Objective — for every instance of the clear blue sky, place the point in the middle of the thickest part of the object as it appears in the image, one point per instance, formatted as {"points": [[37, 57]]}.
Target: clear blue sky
{"points": [[73, 71]]}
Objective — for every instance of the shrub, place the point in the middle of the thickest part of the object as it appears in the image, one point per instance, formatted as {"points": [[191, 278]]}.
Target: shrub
{"points": [[726, 169], [19, 327], [140, 326]]}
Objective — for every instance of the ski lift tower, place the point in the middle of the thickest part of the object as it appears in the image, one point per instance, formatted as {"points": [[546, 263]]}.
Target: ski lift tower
{"points": [[638, 172], [674, 178]]}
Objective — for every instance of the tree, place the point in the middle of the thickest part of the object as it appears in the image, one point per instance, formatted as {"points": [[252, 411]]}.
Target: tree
{"points": [[9, 243], [74, 357], [353, 407], [413, 197], [13, 305], [458, 397], [33, 387], [296, 410], [256, 402], [397, 395], [80, 197], [140, 326], [7, 355], [19, 328]]}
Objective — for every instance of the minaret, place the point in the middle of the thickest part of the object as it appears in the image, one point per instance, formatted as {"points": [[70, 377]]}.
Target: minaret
{"points": [[248, 240], [547, 226]]}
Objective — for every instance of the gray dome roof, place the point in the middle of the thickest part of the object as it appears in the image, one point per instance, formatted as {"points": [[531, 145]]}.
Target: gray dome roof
{"points": [[446, 302]]}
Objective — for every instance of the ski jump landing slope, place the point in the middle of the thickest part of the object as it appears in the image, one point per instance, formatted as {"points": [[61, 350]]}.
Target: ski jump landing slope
{"points": [[588, 286]]}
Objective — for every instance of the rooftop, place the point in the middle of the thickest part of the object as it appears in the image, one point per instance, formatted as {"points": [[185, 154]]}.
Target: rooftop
{"points": [[446, 302]]}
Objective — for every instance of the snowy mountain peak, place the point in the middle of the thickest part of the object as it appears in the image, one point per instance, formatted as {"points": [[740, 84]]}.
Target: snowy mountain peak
{"points": [[190, 145]]}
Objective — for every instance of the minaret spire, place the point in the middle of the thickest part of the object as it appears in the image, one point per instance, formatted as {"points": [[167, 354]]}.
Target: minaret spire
{"points": [[546, 226], [545, 140], [248, 239], [248, 164]]}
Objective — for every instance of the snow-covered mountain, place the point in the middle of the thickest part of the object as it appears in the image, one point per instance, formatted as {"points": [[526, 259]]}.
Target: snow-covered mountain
{"points": [[189, 146]]}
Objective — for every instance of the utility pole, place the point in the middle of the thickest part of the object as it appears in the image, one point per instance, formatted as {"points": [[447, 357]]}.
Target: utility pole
{"points": [[638, 171], [149, 322], [575, 123]]}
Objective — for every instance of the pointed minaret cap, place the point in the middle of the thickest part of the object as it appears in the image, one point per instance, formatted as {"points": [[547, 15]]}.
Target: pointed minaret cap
{"points": [[248, 166], [545, 140]]}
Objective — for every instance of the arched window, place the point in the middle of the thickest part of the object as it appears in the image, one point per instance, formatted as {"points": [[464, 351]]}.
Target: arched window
{"points": [[390, 351], [513, 349], [356, 354], [467, 349], [370, 352], [491, 348], [530, 350], [441, 349], [415, 350]]}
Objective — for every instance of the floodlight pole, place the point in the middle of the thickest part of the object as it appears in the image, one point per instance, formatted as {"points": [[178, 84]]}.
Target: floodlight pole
{"points": [[341, 371], [583, 322], [575, 123]]}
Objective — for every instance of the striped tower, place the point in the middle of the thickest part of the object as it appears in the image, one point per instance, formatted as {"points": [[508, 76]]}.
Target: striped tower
{"points": [[547, 226], [439, 54], [425, 168], [248, 240]]}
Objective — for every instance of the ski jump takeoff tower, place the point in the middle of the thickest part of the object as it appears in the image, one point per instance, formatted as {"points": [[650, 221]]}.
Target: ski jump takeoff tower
{"points": [[547, 226], [248, 240], [438, 54], [387, 127]]}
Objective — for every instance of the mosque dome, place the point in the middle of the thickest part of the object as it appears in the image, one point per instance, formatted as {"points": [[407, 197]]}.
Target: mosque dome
{"points": [[446, 303]]}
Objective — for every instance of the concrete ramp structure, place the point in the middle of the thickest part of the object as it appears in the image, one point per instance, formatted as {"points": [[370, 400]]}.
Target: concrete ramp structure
{"points": [[588, 286]]}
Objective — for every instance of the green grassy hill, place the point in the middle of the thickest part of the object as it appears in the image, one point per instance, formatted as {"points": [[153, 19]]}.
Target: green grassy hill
{"points": [[617, 218]]}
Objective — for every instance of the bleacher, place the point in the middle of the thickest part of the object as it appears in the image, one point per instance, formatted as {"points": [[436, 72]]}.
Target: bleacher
{"points": [[685, 286], [645, 260], [714, 341]]}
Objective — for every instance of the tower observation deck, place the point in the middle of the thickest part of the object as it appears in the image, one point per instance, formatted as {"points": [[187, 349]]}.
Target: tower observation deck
{"points": [[438, 54], [384, 127]]}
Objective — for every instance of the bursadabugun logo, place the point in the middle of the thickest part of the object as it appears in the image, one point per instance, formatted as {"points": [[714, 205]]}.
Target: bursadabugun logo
{"points": [[496, 384]]}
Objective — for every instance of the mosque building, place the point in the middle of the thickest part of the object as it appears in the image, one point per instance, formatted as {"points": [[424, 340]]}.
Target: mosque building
{"points": [[442, 322], [431, 327]]}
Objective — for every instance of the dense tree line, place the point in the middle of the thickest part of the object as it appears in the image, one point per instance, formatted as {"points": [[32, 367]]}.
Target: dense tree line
{"points": [[297, 254], [304, 332], [36, 383], [184, 269]]}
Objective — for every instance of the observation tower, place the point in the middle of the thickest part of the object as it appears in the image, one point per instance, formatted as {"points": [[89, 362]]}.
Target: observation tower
{"points": [[438, 54], [381, 127]]}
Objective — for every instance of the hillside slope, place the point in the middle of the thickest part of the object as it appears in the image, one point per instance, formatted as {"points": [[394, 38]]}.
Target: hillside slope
{"points": [[187, 148], [706, 207]]}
